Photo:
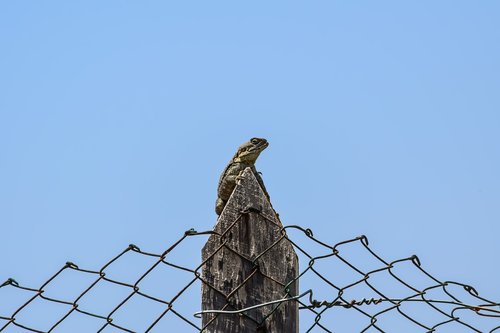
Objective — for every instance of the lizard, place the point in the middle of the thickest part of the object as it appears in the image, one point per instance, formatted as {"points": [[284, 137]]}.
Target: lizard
{"points": [[245, 157]]}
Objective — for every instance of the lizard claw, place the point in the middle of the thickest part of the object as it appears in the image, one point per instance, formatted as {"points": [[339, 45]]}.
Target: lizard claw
{"points": [[239, 177]]}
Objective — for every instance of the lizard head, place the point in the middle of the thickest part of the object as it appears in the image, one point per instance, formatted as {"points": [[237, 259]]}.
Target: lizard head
{"points": [[250, 151]]}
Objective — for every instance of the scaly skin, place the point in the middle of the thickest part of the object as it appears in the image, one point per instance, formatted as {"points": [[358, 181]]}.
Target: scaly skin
{"points": [[244, 158]]}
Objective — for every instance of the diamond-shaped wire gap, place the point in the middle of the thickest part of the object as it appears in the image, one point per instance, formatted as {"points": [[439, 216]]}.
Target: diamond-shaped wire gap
{"points": [[437, 294], [184, 306], [334, 319], [165, 281], [393, 321], [335, 271], [422, 312], [173, 322], [137, 313], [41, 314], [409, 273], [69, 284], [11, 298], [385, 286], [187, 251], [103, 298], [130, 267], [79, 322], [321, 290], [356, 253]]}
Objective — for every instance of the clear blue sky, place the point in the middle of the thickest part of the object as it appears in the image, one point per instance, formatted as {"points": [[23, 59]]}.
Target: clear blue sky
{"points": [[117, 117]]}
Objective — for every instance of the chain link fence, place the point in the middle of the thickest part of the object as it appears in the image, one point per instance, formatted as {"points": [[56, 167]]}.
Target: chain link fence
{"points": [[344, 287]]}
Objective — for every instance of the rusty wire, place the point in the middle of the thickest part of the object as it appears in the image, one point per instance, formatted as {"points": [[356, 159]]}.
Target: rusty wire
{"points": [[371, 311]]}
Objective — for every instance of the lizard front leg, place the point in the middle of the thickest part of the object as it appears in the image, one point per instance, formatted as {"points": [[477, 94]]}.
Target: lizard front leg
{"points": [[228, 183]]}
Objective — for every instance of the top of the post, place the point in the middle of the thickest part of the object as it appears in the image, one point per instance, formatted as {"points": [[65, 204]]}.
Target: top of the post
{"points": [[247, 262], [247, 197]]}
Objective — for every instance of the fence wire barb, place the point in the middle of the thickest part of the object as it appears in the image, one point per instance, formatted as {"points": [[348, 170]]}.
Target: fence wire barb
{"points": [[319, 314]]}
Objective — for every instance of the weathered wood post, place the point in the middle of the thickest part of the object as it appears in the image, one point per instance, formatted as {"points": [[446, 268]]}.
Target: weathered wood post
{"points": [[249, 262]]}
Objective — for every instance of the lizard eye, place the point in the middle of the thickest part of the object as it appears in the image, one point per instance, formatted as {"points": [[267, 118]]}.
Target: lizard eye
{"points": [[254, 141]]}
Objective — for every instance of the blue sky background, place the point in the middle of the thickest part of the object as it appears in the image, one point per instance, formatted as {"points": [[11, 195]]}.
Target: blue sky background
{"points": [[117, 117]]}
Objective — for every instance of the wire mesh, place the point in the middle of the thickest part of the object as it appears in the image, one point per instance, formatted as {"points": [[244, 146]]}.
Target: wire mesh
{"points": [[345, 287]]}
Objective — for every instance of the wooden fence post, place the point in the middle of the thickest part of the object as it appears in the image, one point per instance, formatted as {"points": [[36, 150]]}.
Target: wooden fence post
{"points": [[247, 263]]}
